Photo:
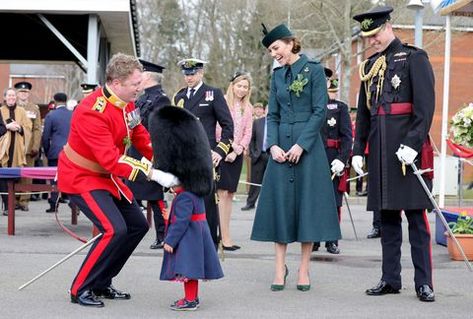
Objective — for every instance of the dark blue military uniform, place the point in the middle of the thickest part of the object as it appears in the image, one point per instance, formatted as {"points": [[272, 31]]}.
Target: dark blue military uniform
{"points": [[337, 138], [153, 98], [209, 105], [400, 114]]}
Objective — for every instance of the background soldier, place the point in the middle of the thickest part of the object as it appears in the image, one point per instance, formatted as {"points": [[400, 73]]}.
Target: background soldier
{"points": [[337, 136], [209, 105], [34, 143], [395, 109], [152, 98], [87, 88], [258, 155]]}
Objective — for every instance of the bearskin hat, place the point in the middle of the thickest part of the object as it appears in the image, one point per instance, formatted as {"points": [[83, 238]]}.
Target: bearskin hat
{"points": [[181, 147]]}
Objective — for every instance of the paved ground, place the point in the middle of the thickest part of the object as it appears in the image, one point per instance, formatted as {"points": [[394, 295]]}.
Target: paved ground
{"points": [[338, 282]]}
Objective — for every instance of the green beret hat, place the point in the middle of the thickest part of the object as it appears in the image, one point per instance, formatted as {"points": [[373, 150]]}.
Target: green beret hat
{"points": [[279, 32]]}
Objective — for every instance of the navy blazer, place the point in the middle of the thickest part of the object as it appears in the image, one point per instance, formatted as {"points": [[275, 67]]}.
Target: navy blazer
{"points": [[257, 139], [56, 131]]}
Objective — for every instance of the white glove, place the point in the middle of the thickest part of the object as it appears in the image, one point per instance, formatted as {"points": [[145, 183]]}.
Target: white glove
{"points": [[337, 167], [163, 178], [12, 126], [406, 155], [357, 164]]}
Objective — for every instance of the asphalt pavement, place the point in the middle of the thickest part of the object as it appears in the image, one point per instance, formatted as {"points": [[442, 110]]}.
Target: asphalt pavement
{"points": [[338, 281]]}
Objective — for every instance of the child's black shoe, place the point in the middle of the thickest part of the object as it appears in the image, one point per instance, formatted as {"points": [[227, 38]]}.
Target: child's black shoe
{"points": [[185, 305]]}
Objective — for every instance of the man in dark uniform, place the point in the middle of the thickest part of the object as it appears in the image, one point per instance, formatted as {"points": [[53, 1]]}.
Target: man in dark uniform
{"points": [[395, 110], [258, 155], [152, 98], [337, 137], [209, 105]]}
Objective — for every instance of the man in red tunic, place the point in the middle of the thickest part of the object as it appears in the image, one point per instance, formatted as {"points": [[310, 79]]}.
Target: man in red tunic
{"points": [[91, 168]]}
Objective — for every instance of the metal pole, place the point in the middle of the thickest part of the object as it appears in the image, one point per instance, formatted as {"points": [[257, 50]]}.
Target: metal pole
{"points": [[60, 261], [446, 91], [439, 213], [349, 213], [418, 28]]}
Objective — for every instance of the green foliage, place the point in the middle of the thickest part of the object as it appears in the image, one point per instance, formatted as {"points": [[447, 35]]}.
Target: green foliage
{"points": [[463, 225]]}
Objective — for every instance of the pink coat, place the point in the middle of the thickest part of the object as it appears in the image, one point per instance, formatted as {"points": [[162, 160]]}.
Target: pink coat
{"points": [[242, 127]]}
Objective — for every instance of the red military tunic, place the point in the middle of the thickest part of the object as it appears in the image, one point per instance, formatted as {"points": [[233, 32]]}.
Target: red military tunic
{"points": [[101, 127]]}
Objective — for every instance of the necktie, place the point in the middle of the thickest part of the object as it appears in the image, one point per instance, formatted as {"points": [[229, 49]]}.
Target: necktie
{"points": [[191, 93]]}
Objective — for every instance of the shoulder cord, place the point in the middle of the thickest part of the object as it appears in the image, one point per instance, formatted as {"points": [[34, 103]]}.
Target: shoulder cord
{"points": [[378, 69]]}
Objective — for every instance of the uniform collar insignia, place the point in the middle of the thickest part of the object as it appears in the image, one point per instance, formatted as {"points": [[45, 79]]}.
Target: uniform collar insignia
{"points": [[395, 81], [112, 98]]}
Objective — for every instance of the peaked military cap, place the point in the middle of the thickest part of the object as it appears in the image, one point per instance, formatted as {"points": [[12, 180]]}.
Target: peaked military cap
{"points": [[372, 21], [328, 72], [279, 32], [88, 88], [190, 66], [151, 67], [23, 86], [333, 85]]}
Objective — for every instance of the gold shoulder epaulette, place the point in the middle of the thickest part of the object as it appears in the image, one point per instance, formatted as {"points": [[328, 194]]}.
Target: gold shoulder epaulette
{"points": [[100, 104]]}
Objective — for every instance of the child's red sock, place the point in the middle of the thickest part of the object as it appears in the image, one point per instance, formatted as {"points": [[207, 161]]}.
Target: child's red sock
{"points": [[191, 289]]}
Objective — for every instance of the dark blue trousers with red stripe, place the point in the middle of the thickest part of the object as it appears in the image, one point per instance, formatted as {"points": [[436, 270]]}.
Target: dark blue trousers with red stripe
{"points": [[122, 225], [421, 247]]}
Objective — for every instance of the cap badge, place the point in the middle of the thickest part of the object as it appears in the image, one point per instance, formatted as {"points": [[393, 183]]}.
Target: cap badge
{"points": [[395, 81], [366, 23], [306, 69], [189, 64]]}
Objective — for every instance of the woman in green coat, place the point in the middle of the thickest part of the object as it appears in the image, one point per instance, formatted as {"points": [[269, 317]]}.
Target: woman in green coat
{"points": [[297, 202]]}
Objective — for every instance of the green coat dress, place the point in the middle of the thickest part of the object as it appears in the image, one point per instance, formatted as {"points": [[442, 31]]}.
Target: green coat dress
{"points": [[297, 202]]}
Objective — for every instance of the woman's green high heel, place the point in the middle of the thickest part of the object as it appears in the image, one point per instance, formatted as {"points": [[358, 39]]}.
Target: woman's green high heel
{"points": [[303, 287], [276, 287]]}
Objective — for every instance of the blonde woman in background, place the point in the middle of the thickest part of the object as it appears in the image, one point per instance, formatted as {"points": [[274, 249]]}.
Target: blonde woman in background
{"points": [[238, 100]]}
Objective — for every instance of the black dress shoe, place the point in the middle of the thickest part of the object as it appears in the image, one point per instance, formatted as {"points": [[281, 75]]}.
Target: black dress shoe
{"points": [[425, 293], [111, 293], [333, 249], [382, 288], [158, 244], [229, 248], [5, 212], [50, 210], [87, 298], [374, 233], [248, 207]]}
